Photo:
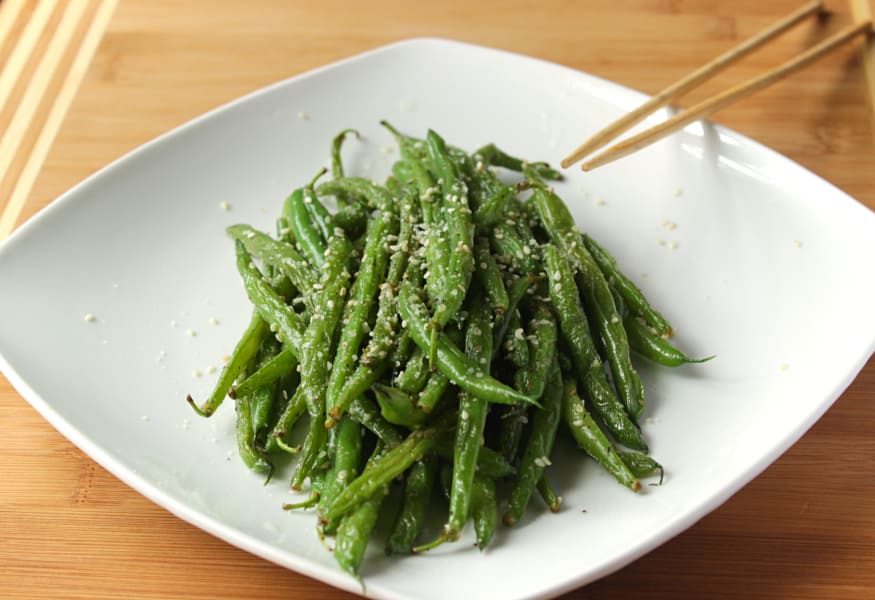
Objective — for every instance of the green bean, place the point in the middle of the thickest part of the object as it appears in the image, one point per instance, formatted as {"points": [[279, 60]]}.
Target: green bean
{"points": [[293, 411], [362, 298], [470, 425], [384, 334], [411, 148], [624, 286], [336, 145], [417, 495], [484, 510], [347, 451], [641, 465], [488, 276], [492, 155], [489, 462], [250, 455], [281, 364], [459, 369], [433, 391], [321, 219], [512, 250], [263, 398], [590, 438], [414, 376], [559, 223], [316, 344], [536, 456], [575, 331], [472, 417], [649, 344], [367, 413], [278, 254], [548, 494], [398, 407], [531, 379], [358, 383], [494, 209], [515, 293], [354, 531], [244, 352], [454, 202], [307, 236], [514, 343], [376, 196], [270, 305], [385, 468]]}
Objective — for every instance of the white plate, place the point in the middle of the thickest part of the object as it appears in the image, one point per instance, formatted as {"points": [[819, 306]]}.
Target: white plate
{"points": [[750, 256]]}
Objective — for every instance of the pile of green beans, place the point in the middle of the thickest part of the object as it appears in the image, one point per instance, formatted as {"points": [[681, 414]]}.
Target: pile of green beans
{"points": [[432, 333]]}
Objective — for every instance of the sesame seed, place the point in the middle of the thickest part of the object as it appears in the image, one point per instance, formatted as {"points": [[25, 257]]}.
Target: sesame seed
{"points": [[225, 205], [303, 116], [214, 321], [89, 318], [191, 333], [195, 373]]}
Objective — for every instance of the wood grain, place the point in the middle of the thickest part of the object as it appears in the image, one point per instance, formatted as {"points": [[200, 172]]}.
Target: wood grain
{"points": [[804, 529]]}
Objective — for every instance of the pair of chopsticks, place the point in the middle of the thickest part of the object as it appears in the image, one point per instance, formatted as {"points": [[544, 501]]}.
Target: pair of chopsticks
{"points": [[715, 103]]}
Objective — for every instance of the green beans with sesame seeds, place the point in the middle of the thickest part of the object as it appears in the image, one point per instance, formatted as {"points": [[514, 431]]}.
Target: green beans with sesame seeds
{"points": [[575, 331], [278, 254], [379, 329], [539, 445], [458, 368], [362, 298]]}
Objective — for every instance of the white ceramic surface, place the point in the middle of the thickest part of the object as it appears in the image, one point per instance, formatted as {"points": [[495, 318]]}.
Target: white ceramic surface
{"points": [[751, 257]]}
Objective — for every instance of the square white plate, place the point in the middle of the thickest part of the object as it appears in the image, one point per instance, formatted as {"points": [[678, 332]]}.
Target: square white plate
{"points": [[751, 257]]}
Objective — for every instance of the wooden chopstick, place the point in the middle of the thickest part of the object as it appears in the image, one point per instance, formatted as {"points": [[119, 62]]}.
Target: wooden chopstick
{"points": [[861, 12], [689, 82], [715, 103]]}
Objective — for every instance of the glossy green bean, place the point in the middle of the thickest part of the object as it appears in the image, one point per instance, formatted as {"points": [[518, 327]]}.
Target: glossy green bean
{"points": [[536, 455], [362, 298], [306, 235], [459, 230], [384, 469], [417, 496], [458, 368], [592, 440], [346, 453], [398, 407], [548, 494], [242, 354], [630, 293], [484, 510], [366, 412], [490, 154], [284, 362], [488, 276], [652, 346], [293, 411], [641, 465], [354, 531], [278, 254], [472, 418], [576, 333]]}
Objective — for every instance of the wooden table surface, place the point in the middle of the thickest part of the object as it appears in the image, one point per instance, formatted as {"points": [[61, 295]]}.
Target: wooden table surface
{"points": [[96, 79]]}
